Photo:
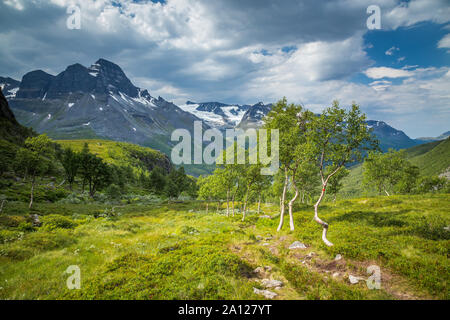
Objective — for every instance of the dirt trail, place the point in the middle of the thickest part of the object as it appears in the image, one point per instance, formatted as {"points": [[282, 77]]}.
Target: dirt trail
{"points": [[338, 270]]}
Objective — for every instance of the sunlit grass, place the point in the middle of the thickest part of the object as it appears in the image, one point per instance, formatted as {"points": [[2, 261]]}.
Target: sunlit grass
{"points": [[177, 251]]}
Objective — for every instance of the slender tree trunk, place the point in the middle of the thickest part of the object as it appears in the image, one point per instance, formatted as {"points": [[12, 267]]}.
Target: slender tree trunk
{"points": [[1, 207], [32, 192], [259, 204], [207, 204], [283, 197], [291, 204], [218, 205], [228, 203], [245, 204], [318, 220], [233, 203], [303, 197], [387, 193]]}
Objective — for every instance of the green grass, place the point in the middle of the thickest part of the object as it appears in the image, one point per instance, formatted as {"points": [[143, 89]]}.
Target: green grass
{"points": [[177, 251], [435, 161], [121, 153]]}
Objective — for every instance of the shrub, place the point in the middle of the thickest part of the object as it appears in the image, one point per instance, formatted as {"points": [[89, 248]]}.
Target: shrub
{"points": [[10, 236], [16, 253], [55, 221], [11, 221], [26, 227], [47, 240], [113, 191]]}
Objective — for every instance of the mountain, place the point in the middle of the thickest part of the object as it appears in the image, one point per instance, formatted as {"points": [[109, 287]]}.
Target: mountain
{"points": [[443, 136], [216, 114], [254, 115], [10, 130], [390, 137], [96, 102], [221, 115], [9, 87], [432, 158]]}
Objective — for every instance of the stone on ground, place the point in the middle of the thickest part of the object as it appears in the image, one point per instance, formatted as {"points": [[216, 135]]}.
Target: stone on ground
{"points": [[266, 293], [271, 283], [297, 245]]}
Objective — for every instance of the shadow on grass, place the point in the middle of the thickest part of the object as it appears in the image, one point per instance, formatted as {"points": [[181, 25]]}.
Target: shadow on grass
{"points": [[375, 219]]}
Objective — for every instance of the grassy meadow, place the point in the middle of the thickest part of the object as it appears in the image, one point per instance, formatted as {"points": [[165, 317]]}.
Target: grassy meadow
{"points": [[160, 250]]}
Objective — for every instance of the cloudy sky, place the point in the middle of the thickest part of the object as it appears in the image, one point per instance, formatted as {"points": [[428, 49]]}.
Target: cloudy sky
{"points": [[245, 51]]}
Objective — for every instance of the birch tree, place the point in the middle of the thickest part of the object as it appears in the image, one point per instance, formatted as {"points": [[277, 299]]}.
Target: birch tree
{"points": [[339, 137], [35, 159], [284, 117]]}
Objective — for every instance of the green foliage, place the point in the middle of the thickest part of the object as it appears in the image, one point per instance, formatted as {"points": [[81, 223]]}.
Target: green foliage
{"points": [[389, 172], [113, 191], [10, 236], [165, 252], [433, 184], [55, 221], [94, 171], [70, 160]]}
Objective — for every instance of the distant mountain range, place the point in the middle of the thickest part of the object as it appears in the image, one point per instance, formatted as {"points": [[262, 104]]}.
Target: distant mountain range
{"points": [[221, 115], [101, 102], [95, 102]]}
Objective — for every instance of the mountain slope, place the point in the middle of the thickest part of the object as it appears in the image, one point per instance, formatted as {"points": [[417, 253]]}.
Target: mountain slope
{"points": [[9, 86], [217, 114], [435, 161], [97, 102], [432, 159], [10, 129], [122, 154]]}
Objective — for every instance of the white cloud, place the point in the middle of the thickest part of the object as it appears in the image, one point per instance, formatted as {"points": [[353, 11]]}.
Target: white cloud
{"points": [[445, 41], [415, 11], [16, 4], [391, 51], [386, 72], [231, 50]]}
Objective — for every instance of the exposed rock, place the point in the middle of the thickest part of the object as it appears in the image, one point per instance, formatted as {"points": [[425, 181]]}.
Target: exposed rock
{"points": [[268, 283], [259, 270], [338, 257], [297, 245], [35, 220], [266, 293], [268, 268], [336, 274], [353, 279]]}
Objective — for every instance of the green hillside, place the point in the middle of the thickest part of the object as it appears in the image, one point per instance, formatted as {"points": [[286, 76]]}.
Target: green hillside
{"points": [[122, 154], [435, 160], [432, 158]]}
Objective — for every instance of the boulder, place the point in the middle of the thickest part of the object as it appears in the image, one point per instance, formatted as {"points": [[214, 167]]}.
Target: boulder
{"points": [[266, 293], [268, 283], [297, 245]]}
